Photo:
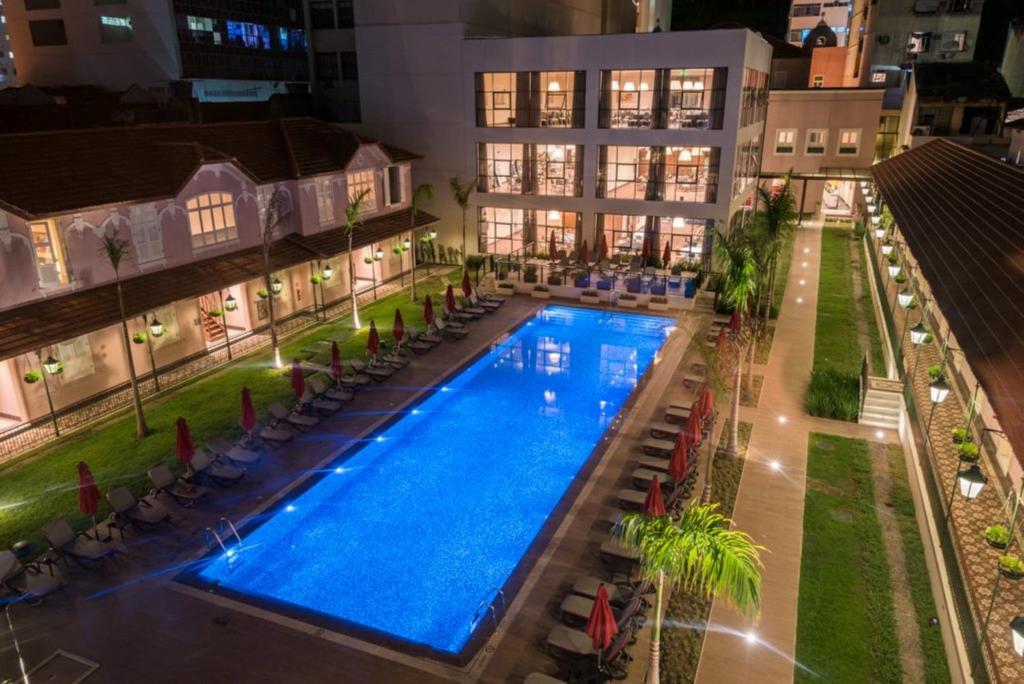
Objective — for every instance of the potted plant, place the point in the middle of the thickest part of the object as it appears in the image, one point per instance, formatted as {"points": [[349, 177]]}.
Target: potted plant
{"points": [[590, 297], [554, 279], [893, 259], [215, 312], [530, 273], [961, 435], [139, 338], [1011, 567], [935, 372], [901, 278], [316, 278], [262, 293], [997, 536], [506, 289], [658, 303], [968, 452], [33, 376], [541, 292]]}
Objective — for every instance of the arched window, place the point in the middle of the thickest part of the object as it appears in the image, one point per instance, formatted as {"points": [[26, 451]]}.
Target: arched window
{"points": [[211, 219]]}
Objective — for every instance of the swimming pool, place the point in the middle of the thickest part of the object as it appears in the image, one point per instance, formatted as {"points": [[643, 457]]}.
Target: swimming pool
{"points": [[412, 536]]}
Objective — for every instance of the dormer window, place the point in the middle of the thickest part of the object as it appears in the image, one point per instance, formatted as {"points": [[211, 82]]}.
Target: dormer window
{"points": [[49, 257], [358, 181], [211, 219]]}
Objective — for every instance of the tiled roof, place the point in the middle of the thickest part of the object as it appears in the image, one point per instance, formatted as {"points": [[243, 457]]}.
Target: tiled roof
{"points": [[61, 171], [48, 321], [959, 212]]}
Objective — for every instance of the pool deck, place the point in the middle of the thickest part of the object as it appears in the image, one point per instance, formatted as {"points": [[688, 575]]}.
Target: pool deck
{"points": [[138, 625]]}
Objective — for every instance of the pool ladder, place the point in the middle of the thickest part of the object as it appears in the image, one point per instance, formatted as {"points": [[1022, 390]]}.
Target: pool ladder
{"points": [[487, 606], [219, 535]]}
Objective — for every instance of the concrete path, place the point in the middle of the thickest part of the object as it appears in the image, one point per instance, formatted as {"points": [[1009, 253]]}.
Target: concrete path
{"points": [[770, 502]]}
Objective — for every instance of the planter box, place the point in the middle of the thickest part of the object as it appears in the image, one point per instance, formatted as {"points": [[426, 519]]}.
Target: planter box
{"points": [[628, 303], [505, 289], [540, 294], [657, 306], [590, 299]]}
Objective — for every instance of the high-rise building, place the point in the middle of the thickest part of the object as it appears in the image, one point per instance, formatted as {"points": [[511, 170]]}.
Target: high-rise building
{"points": [[805, 15], [7, 73], [228, 50]]}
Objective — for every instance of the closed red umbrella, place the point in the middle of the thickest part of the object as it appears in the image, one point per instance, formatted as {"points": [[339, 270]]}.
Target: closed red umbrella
{"points": [[248, 418], [585, 253], [679, 464], [654, 505], [428, 310], [298, 380], [723, 340], [88, 493], [707, 402], [183, 446], [373, 342], [467, 289], [398, 328], [552, 247], [337, 367], [693, 425], [449, 300], [604, 247], [601, 626], [666, 256], [736, 320], [645, 253]]}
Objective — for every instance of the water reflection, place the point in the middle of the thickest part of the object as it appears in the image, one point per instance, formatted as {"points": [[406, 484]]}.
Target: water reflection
{"points": [[618, 367]]}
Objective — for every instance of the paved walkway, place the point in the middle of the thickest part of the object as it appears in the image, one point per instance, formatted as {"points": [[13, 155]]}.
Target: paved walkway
{"points": [[770, 502]]}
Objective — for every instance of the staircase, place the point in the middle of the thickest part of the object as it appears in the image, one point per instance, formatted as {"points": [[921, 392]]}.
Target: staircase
{"points": [[882, 405]]}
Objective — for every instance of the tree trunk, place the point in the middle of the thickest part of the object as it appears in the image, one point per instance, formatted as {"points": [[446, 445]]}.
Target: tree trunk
{"points": [[412, 256], [773, 266], [141, 429], [463, 238], [732, 446], [705, 495], [352, 284], [275, 348], [749, 379], [654, 655]]}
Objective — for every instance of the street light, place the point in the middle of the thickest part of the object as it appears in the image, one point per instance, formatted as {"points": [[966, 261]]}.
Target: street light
{"points": [[1017, 629], [231, 304], [276, 286]]}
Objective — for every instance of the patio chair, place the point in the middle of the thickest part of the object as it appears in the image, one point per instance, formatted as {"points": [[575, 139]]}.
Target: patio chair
{"points": [[575, 609], [658, 447], [665, 430], [27, 581], [473, 312], [235, 453], [633, 285], [488, 299], [355, 380], [294, 418], [214, 469], [418, 343], [654, 463], [448, 330], [393, 359], [321, 389], [488, 305], [618, 594], [276, 435], [138, 513], [642, 478], [178, 488], [76, 546], [567, 643], [320, 404], [379, 373], [675, 414]]}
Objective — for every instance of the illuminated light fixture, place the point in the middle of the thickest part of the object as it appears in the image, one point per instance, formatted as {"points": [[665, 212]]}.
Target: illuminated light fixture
{"points": [[887, 250], [553, 87], [685, 155], [971, 482], [378, 254], [675, 85], [328, 272], [1017, 629], [276, 286], [231, 304], [678, 222], [905, 298], [630, 86], [556, 152], [406, 243], [615, 85], [863, 185], [938, 391], [53, 366], [894, 270], [432, 233], [644, 86], [918, 334], [554, 215], [782, 420], [871, 208], [156, 328]]}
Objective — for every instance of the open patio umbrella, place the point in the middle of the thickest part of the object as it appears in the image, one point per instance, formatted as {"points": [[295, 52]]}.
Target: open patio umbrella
{"points": [[373, 341], [654, 505], [707, 402], [467, 288], [552, 247], [736, 320], [88, 493], [601, 626], [183, 447], [604, 247], [248, 417], [449, 300], [645, 252], [679, 464], [298, 380], [585, 253], [666, 256], [428, 311], [398, 328], [337, 367]]}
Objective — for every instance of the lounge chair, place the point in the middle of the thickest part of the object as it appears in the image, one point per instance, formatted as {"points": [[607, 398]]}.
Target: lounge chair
{"points": [[567, 643], [319, 403], [449, 330], [676, 415], [633, 499], [474, 311], [658, 447], [380, 373], [29, 582], [618, 594], [693, 379], [276, 435], [486, 300], [642, 478], [280, 413], [77, 546], [393, 359], [137, 513], [431, 338], [215, 469], [182, 491], [612, 551], [322, 390], [654, 463], [416, 343], [486, 305], [235, 453], [576, 609], [355, 380], [665, 430]]}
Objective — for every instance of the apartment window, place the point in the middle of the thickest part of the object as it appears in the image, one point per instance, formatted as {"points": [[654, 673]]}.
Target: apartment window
{"points": [[627, 98], [358, 181], [146, 235], [501, 230], [76, 355], [748, 162], [530, 99], [919, 42], [115, 29], [349, 67], [690, 173], [849, 141], [325, 200], [394, 186], [42, 4], [321, 14], [47, 32], [326, 64], [816, 139], [496, 99], [563, 225], [623, 172], [561, 98], [953, 42], [686, 236], [754, 97], [49, 256], [559, 170], [696, 98], [248, 35], [500, 167], [346, 15], [211, 219], [806, 10], [785, 140], [625, 232]]}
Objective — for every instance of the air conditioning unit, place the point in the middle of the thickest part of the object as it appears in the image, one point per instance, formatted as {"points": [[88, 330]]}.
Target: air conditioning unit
{"points": [[921, 130]]}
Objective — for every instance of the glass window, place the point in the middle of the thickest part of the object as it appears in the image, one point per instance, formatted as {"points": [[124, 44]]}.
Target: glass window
{"points": [[496, 99], [47, 32], [685, 235], [807, 10], [559, 170], [696, 98], [918, 42], [849, 141], [754, 98], [628, 98], [500, 167], [49, 257], [530, 99], [115, 29], [325, 200], [625, 232], [394, 187], [562, 224], [623, 172], [76, 355], [560, 93], [691, 174], [785, 140], [501, 230], [349, 66], [41, 4], [358, 181], [346, 15], [211, 219], [816, 139], [748, 162], [146, 235], [326, 64], [247, 34], [321, 14]]}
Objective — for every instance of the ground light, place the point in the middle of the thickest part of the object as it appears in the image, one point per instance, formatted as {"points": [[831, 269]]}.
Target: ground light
{"points": [[1017, 630], [751, 637], [775, 465]]}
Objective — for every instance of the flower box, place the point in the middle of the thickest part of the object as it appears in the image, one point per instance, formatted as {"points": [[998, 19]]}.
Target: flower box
{"points": [[997, 536], [1011, 567], [658, 303], [590, 297], [628, 301], [505, 289], [541, 292]]}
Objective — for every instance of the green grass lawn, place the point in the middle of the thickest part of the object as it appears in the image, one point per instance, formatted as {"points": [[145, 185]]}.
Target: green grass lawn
{"points": [[867, 312], [846, 630], [41, 485], [782, 272]]}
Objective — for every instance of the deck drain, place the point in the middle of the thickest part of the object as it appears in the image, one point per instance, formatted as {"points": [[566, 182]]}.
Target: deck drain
{"points": [[62, 668]]}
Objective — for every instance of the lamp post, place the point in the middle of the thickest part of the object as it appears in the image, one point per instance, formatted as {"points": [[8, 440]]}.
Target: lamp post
{"points": [[154, 327], [50, 366], [432, 234], [224, 321]]}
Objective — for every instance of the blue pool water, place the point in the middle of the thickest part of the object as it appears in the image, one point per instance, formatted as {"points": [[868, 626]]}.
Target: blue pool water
{"points": [[413, 534]]}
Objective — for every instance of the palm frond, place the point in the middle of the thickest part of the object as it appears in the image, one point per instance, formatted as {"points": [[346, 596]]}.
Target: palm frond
{"points": [[115, 249], [354, 209], [462, 191], [421, 194]]}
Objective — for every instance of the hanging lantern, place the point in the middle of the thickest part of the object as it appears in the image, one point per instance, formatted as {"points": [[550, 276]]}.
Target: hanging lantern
{"points": [[894, 270], [378, 255], [328, 272], [938, 390], [886, 249], [1017, 629], [971, 482], [231, 304], [871, 208], [432, 233], [156, 328], [276, 286], [406, 243], [918, 334], [53, 366], [905, 298]]}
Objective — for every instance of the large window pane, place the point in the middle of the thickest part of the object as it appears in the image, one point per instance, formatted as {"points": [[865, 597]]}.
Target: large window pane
{"points": [[628, 98], [696, 98], [559, 170], [624, 172], [496, 99], [501, 230], [500, 167], [686, 237], [625, 232], [562, 225], [530, 99], [691, 174]]}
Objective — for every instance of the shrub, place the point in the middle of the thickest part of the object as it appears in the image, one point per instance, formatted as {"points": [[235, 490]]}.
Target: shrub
{"points": [[215, 312], [658, 299], [33, 376], [530, 273], [262, 293], [998, 536], [833, 394]]}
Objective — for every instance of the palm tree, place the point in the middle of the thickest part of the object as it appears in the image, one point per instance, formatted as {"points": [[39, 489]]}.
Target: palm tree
{"points": [[770, 227], [273, 215], [115, 250], [421, 194], [740, 285], [462, 191], [702, 553], [352, 213]]}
